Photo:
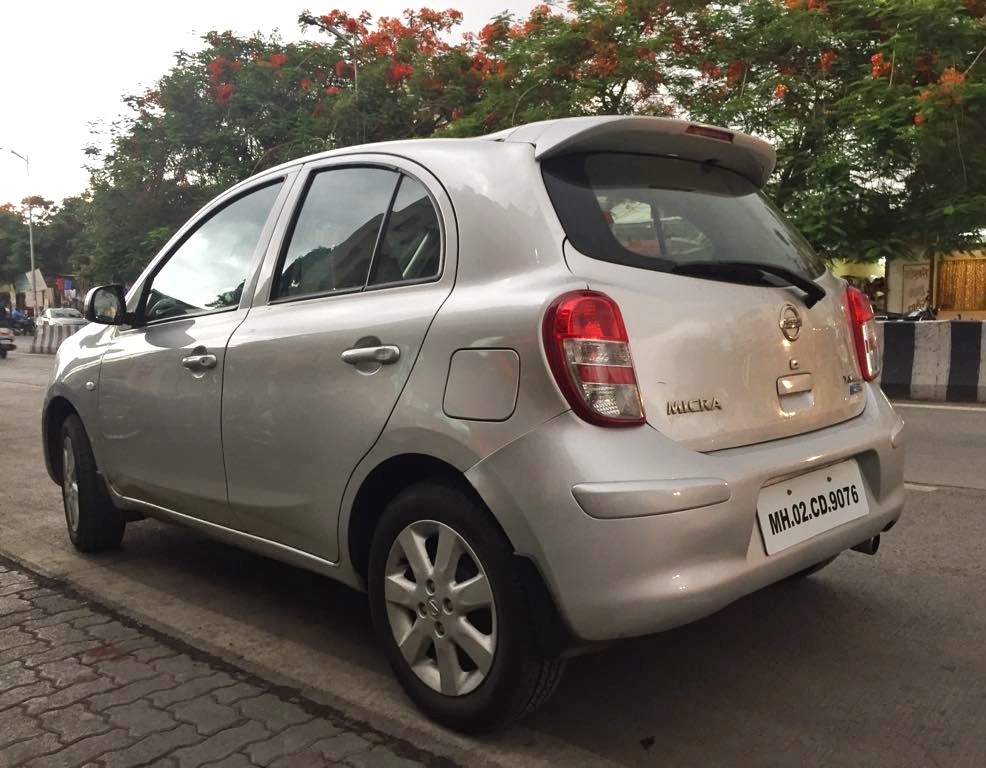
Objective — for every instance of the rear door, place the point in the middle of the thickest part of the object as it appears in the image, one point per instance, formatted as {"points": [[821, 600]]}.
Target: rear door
{"points": [[731, 358], [315, 370]]}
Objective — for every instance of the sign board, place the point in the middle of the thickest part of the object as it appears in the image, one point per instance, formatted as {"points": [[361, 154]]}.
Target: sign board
{"points": [[917, 285]]}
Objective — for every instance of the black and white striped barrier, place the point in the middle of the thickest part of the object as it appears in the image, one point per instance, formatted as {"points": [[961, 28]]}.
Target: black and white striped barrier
{"points": [[48, 339], [934, 360]]}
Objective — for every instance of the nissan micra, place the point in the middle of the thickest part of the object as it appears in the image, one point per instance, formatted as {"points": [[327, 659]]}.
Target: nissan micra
{"points": [[568, 383]]}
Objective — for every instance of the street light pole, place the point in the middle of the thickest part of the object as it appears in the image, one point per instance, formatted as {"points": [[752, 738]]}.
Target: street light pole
{"points": [[30, 231]]}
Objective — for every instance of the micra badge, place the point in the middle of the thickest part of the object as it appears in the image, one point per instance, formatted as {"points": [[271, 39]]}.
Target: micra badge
{"points": [[698, 405], [855, 385]]}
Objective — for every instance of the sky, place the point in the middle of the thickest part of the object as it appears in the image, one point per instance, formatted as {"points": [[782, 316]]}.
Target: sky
{"points": [[68, 63]]}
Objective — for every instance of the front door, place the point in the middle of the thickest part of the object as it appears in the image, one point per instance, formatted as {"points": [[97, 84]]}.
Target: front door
{"points": [[160, 381], [313, 374]]}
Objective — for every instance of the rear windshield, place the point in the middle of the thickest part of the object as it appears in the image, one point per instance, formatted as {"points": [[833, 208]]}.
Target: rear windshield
{"points": [[660, 212]]}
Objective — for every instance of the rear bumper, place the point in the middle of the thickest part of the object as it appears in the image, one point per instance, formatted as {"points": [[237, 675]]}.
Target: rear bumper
{"points": [[622, 564]]}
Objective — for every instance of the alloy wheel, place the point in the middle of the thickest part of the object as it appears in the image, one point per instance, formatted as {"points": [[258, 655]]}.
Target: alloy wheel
{"points": [[70, 485], [440, 607]]}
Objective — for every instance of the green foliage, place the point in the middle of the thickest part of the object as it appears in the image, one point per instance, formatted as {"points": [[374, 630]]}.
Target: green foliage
{"points": [[13, 243], [877, 108]]}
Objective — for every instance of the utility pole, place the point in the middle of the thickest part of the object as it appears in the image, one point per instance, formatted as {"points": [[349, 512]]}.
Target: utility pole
{"points": [[30, 232]]}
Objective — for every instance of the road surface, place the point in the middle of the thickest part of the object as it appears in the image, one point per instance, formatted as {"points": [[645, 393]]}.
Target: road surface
{"points": [[874, 661]]}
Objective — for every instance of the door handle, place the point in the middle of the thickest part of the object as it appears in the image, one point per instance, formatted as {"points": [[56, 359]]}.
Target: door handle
{"points": [[385, 354], [199, 362]]}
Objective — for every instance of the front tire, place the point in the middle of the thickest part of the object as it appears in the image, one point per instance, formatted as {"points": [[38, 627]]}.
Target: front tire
{"points": [[93, 522], [451, 613]]}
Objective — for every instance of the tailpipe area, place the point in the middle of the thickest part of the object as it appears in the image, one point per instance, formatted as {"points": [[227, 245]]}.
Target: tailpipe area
{"points": [[868, 547]]}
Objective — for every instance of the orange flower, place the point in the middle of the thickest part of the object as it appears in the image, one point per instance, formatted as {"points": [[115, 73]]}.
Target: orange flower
{"points": [[305, 84], [710, 71], [780, 91], [278, 60], [827, 59], [918, 119], [493, 32], [952, 76], [333, 90], [223, 93], [400, 71], [881, 67], [216, 67]]}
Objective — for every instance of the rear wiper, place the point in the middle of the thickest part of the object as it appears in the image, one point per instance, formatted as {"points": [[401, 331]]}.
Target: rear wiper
{"points": [[752, 270]]}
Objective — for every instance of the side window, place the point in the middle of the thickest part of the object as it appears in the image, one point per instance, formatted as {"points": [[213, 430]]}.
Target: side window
{"points": [[332, 243], [411, 248], [207, 271]]}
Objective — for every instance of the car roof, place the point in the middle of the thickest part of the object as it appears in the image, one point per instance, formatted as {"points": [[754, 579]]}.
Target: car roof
{"points": [[749, 156]]}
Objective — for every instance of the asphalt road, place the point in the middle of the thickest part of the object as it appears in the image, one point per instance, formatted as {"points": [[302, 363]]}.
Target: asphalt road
{"points": [[874, 661]]}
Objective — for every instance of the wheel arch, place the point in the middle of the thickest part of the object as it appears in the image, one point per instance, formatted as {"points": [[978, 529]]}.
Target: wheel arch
{"points": [[385, 482], [56, 411], [552, 636]]}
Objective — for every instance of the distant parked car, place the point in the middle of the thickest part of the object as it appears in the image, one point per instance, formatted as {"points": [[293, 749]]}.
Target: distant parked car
{"points": [[65, 316], [569, 383]]}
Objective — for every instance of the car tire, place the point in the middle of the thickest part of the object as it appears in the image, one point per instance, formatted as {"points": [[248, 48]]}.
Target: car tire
{"points": [[93, 522], [813, 569], [501, 677]]}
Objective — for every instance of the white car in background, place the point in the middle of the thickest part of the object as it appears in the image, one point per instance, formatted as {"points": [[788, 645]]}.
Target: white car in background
{"points": [[64, 316]]}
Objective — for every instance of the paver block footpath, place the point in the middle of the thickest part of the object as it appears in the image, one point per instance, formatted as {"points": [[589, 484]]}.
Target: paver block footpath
{"points": [[83, 685]]}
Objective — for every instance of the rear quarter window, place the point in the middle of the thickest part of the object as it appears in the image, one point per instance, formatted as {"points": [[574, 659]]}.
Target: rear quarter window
{"points": [[660, 212]]}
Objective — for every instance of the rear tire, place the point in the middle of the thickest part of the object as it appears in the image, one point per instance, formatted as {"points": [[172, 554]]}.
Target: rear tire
{"points": [[93, 522], [469, 659]]}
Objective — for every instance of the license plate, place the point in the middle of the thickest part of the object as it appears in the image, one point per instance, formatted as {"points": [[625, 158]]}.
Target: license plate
{"points": [[797, 509]]}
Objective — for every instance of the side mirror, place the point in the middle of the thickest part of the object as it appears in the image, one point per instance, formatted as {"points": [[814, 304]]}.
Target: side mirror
{"points": [[106, 304]]}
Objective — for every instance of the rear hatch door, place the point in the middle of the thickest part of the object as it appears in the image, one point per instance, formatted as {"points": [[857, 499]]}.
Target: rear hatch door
{"points": [[725, 354]]}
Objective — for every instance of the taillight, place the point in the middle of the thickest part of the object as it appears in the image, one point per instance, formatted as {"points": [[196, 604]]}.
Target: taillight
{"points": [[864, 333], [589, 354]]}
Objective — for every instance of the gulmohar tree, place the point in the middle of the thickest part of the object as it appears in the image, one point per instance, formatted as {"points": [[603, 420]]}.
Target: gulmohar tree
{"points": [[877, 108]]}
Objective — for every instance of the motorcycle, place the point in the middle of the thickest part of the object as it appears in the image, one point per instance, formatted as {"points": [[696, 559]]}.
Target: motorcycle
{"points": [[23, 327], [914, 316]]}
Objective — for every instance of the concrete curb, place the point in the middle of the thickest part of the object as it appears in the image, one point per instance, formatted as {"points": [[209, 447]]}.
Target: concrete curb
{"points": [[943, 360], [48, 339]]}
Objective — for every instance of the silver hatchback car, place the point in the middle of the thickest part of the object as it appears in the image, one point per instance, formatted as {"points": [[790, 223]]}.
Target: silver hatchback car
{"points": [[572, 382]]}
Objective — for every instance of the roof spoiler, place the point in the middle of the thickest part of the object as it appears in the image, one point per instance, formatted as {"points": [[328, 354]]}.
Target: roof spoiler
{"points": [[753, 158]]}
